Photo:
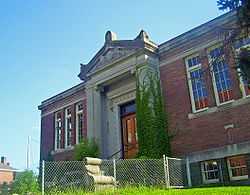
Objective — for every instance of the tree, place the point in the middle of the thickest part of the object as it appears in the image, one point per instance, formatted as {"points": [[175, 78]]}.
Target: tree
{"points": [[229, 4], [151, 116], [240, 32], [25, 182]]}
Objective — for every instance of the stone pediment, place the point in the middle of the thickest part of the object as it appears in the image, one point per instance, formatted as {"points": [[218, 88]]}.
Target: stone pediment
{"points": [[112, 55], [113, 50]]}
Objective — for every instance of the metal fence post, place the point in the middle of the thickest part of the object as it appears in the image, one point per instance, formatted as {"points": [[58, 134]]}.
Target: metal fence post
{"points": [[221, 174], [43, 166], [114, 165], [188, 173], [165, 170], [168, 173]]}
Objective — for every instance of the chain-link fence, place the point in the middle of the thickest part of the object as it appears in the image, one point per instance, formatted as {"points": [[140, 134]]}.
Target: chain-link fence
{"points": [[177, 172], [168, 172], [60, 175], [135, 171]]}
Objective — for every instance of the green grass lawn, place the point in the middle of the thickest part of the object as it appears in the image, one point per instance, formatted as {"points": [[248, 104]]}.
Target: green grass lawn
{"points": [[154, 191]]}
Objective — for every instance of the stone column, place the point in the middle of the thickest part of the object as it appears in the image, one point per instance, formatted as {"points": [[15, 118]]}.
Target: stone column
{"points": [[94, 114]]}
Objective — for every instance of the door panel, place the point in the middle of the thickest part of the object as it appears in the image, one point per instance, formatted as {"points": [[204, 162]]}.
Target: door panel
{"points": [[129, 136]]}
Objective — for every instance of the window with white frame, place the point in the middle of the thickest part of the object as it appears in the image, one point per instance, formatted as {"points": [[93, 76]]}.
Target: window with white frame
{"points": [[221, 76], [196, 81], [237, 168], [58, 131], [210, 171], [68, 128], [244, 87], [79, 122], [243, 83]]}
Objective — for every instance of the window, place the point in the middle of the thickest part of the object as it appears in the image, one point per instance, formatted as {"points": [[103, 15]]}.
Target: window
{"points": [[237, 168], [221, 79], [197, 87], [243, 83], [58, 131], [244, 87], [68, 128], [79, 122], [210, 171]]}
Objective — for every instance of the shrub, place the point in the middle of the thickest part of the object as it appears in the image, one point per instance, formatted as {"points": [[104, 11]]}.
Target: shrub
{"points": [[25, 182], [4, 189], [86, 148]]}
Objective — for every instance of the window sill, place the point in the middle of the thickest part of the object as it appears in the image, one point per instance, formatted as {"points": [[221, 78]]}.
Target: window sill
{"points": [[62, 150], [211, 181], [222, 107], [244, 177], [201, 110], [225, 103]]}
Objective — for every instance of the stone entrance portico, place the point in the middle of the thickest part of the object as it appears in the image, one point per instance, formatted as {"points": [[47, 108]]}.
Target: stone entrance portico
{"points": [[113, 84]]}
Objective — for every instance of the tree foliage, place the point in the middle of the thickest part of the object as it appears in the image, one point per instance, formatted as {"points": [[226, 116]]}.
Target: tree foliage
{"points": [[243, 61], [229, 4], [239, 33], [242, 7], [151, 117], [86, 148], [25, 182]]}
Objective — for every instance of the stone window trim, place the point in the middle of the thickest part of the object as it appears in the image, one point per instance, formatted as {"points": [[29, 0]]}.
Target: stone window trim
{"points": [[62, 150], [189, 69], [216, 92], [206, 170], [230, 168], [229, 129]]}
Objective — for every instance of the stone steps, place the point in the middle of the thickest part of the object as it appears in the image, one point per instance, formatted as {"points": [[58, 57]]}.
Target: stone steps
{"points": [[100, 182]]}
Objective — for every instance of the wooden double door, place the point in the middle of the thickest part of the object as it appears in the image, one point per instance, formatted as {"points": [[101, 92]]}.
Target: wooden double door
{"points": [[130, 143]]}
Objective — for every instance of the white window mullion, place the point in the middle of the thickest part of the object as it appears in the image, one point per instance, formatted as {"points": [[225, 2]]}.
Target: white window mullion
{"points": [[211, 61], [77, 125], [55, 129], [79, 111], [66, 129], [214, 84], [191, 91]]}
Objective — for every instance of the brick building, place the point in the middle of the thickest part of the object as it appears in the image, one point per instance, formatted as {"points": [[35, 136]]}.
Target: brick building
{"points": [[7, 173], [207, 103]]}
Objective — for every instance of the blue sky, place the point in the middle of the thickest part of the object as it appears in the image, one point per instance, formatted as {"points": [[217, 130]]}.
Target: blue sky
{"points": [[43, 42]]}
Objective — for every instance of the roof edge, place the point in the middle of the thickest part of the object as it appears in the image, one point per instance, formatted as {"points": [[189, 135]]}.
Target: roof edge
{"points": [[205, 27], [62, 95]]}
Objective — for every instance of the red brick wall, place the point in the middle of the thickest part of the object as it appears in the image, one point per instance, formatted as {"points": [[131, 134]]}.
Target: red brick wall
{"points": [[64, 156], [6, 176], [47, 136], [206, 131]]}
